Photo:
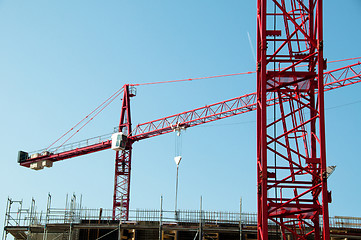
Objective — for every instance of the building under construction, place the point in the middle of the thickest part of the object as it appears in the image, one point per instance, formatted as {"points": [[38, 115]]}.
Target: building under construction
{"points": [[292, 192], [75, 222]]}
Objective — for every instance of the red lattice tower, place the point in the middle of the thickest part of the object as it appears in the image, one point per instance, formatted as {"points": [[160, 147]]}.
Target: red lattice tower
{"points": [[123, 160], [291, 155]]}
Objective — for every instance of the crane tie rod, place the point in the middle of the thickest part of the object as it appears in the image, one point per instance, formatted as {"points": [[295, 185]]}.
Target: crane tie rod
{"points": [[224, 75], [104, 104]]}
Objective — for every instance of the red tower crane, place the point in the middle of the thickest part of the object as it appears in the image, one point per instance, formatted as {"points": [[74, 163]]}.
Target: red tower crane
{"points": [[333, 79], [291, 153]]}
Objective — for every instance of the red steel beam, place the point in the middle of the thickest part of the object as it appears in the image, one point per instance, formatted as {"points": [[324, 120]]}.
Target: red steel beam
{"points": [[54, 157], [209, 113]]}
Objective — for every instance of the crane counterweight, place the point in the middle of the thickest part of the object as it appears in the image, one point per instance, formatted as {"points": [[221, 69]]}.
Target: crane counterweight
{"points": [[41, 164]]}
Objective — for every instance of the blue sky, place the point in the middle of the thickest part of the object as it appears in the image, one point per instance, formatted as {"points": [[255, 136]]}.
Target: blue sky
{"points": [[61, 59]]}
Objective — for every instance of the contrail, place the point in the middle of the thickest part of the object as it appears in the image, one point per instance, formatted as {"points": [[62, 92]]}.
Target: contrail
{"points": [[252, 49]]}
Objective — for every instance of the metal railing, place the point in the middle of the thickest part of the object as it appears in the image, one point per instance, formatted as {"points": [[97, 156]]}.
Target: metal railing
{"points": [[79, 144], [74, 145], [345, 222], [189, 216], [26, 217]]}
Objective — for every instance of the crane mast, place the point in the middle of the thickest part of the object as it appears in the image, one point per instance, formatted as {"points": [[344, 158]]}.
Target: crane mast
{"points": [[123, 160], [291, 155]]}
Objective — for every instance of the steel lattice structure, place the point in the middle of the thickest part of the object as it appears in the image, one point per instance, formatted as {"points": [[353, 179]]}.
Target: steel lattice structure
{"points": [[123, 160], [334, 79], [291, 155]]}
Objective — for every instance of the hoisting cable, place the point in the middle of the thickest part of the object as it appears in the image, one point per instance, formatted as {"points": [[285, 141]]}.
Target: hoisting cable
{"points": [[96, 111], [177, 159]]}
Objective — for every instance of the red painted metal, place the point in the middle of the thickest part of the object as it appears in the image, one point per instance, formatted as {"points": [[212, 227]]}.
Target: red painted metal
{"points": [[123, 160], [54, 157], [232, 107], [291, 153], [209, 113], [342, 77]]}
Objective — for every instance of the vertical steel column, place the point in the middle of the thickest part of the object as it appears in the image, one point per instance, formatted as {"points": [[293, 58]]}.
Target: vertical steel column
{"points": [[200, 236], [121, 197], [240, 219], [262, 212], [7, 218], [292, 190], [160, 236], [326, 195]]}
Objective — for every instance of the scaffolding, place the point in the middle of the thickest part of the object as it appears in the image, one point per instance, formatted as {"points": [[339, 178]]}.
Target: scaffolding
{"points": [[77, 222]]}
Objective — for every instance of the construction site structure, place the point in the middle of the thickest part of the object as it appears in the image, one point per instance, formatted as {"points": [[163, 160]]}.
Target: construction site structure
{"points": [[75, 222], [333, 79], [292, 192]]}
